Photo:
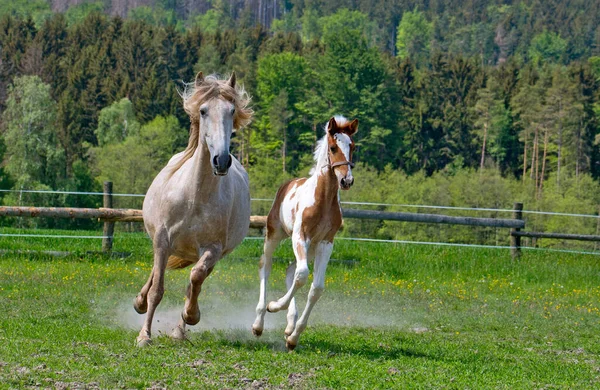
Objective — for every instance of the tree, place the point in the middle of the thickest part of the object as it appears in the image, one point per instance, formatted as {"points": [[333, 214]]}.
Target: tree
{"points": [[547, 47], [116, 122], [133, 163], [34, 158], [414, 36]]}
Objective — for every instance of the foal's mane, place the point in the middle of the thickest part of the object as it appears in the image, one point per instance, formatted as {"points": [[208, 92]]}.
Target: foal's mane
{"points": [[212, 87], [320, 156]]}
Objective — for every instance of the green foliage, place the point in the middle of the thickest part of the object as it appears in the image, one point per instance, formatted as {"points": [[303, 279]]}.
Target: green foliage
{"points": [[116, 122], [547, 47], [76, 14], [156, 16], [414, 36], [133, 163], [34, 158], [38, 10]]}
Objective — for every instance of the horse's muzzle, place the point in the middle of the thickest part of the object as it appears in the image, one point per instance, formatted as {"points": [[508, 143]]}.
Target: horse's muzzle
{"points": [[346, 183], [221, 164]]}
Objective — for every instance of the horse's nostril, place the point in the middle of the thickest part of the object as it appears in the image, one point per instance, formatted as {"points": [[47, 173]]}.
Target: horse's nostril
{"points": [[230, 161], [216, 161], [343, 182]]}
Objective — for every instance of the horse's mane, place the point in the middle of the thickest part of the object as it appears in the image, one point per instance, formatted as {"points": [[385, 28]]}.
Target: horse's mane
{"points": [[320, 154], [211, 87]]}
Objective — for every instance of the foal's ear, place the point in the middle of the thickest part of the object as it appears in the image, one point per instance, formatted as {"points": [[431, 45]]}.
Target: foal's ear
{"points": [[231, 80], [332, 127], [353, 128], [199, 79]]}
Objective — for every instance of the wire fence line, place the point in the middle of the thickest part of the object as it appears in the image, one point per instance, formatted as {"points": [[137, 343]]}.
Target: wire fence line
{"points": [[539, 212], [406, 242]]}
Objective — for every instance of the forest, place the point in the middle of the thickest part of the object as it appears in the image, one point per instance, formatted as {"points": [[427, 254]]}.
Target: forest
{"points": [[480, 104]]}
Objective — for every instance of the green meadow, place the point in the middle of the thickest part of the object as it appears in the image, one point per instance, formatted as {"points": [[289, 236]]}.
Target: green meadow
{"points": [[392, 316]]}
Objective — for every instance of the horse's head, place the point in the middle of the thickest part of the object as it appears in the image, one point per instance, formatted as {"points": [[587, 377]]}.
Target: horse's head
{"points": [[219, 109], [341, 146]]}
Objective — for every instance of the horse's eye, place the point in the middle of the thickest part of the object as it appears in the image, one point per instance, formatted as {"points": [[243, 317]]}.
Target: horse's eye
{"points": [[203, 111], [233, 111], [333, 149], [233, 134]]}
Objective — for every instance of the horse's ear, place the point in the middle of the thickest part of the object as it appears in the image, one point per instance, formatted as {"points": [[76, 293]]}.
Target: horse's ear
{"points": [[199, 79], [231, 81], [332, 126], [353, 127]]}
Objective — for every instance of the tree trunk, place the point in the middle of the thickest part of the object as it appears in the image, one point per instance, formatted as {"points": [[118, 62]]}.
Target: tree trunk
{"points": [[283, 147], [535, 158], [485, 128], [543, 163], [525, 159], [559, 141]]}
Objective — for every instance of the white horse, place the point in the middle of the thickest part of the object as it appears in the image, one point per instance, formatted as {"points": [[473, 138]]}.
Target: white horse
{"points": [[309, 211], [198, 207]]}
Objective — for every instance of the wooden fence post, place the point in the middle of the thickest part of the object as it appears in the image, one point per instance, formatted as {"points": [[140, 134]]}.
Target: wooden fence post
{"points": [[109, 227], [515, 241]]}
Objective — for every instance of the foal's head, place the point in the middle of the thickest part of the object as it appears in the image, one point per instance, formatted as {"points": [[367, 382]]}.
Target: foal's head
{"points": [[341, 147], [216, 108]]}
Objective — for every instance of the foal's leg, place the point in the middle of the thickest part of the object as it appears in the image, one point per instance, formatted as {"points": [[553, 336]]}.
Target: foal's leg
{"points": [[292, 314], [323, 253], [155, 285], [300, 275], [266, 262], [203, 268]]}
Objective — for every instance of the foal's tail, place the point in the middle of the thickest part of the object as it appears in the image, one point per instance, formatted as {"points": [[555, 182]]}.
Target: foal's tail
{"points": [[175, 262]]}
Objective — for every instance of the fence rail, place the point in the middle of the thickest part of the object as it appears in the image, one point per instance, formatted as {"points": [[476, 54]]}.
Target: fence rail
{"points": [[110, 215]]}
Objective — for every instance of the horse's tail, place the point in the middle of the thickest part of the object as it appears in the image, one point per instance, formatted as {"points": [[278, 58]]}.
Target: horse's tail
{"points": [[175, 262]]}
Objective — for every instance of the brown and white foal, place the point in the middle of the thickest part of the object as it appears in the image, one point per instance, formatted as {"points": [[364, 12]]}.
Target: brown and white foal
{"points": [[308, 210]]}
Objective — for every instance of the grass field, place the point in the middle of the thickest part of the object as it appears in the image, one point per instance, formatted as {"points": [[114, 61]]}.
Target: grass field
{"points": [[392, 316]]}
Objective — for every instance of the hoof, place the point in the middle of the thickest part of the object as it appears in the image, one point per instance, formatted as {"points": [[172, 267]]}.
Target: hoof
{"points": [[290, 346], [190, 320], [178, 334], [257, 332], [140, 305], [142, 342]]}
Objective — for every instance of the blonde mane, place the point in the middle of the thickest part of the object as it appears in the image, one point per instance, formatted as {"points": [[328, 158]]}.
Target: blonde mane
{"points": [[212, 87]]}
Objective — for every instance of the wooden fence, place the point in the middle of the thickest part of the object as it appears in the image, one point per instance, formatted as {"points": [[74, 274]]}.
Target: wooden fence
{"points": [[110, 215]]}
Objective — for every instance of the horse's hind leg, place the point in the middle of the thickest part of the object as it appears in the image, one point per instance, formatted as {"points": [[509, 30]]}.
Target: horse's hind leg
{"points": [[323, 253], [155, 285], [203, 268], [265, 265], [301, 247]]}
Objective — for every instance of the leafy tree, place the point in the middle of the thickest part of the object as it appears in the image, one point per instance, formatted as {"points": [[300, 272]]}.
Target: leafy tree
{"points": [[414, 36], [116, 122], [133, 163], [79, 12], [33, 156], [547, 47]]}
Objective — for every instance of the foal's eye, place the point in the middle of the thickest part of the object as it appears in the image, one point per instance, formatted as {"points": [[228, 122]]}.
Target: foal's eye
{"points": [[333, 149]]}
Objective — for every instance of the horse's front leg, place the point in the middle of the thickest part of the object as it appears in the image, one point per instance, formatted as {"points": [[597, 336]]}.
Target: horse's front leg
{"points": [[203, 268], [300, 246], [266, 262], [153, 290], [322, 255]]}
